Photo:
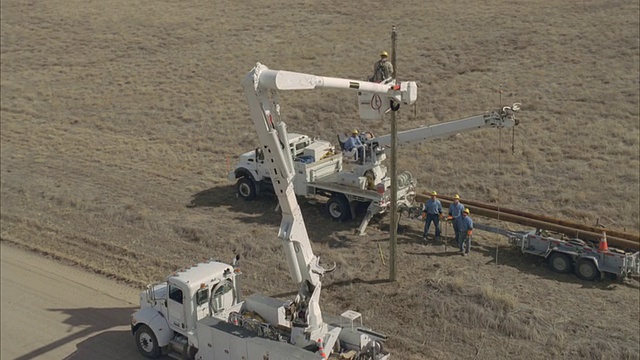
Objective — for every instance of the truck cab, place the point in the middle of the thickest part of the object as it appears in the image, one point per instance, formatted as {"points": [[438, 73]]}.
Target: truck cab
{"points": [[251, 174], [170, 310]]}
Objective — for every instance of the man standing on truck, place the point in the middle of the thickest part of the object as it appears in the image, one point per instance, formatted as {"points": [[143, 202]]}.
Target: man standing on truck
{"points": [[382, 69], [465, 227], [353, 142], [432, 212], [455, 211]]}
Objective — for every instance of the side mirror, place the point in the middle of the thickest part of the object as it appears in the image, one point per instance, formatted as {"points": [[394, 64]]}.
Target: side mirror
{"points": [[236, 260]]}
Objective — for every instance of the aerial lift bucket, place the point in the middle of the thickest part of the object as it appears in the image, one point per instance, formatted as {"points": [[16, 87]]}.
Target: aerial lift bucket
{"points": [[372, 106]]}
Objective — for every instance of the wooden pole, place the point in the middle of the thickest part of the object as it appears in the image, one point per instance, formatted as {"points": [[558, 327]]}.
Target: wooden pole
{"points": [[394, 179]]}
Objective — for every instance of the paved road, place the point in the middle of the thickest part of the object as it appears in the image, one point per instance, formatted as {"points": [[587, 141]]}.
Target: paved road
{"points": [[53, 311]]}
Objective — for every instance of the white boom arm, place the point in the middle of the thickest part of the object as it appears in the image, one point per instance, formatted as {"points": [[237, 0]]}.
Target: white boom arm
{"points": [[502, 118], [405, 93], [260, 87]]}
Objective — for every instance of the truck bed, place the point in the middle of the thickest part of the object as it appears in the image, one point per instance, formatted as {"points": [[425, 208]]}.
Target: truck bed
{"points": [[330, 183], [221, 340]]}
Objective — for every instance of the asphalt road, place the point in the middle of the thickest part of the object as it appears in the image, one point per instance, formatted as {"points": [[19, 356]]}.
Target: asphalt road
{"points": [[53, 311]]}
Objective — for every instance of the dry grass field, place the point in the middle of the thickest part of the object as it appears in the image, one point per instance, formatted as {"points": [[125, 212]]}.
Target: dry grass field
{"points": [[120, 120]]}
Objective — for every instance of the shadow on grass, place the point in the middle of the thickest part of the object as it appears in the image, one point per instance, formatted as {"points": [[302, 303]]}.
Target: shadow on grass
{"points": [[90, 321], [262, 211], [108, 345], [447, 253], [338, 284], [409, 233], [443, 247]]}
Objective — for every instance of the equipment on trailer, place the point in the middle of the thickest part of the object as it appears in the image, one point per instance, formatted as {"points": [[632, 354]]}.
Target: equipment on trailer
{"points": [[590, 262], [198, 312]]}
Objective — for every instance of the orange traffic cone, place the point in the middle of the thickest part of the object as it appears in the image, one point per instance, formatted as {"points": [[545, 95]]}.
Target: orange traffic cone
{"points": [[321, 349], [603, 246]]}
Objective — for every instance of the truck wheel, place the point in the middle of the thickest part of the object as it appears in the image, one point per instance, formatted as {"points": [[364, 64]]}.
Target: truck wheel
{"points": [[147, 342], [587, 270], [338, 208], [560, 263], [246, 188]]}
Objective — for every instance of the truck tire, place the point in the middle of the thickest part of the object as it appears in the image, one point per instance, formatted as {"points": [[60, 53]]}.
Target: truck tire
{"points": [[587, 270], [246, 188], [338, 207], [560, 263], [147, 342]]}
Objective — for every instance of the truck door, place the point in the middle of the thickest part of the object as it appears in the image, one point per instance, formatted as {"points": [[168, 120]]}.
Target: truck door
{"points": [[175, 308]]}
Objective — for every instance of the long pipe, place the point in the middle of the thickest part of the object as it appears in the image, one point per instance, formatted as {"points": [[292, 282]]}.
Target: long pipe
{"points": [[620, 234], [491, 211]]}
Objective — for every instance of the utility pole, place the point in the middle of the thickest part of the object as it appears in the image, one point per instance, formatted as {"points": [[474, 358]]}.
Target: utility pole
{"points": [[394, 179]]}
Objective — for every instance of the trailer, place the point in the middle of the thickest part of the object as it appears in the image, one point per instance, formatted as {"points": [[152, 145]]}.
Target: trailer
{"points": [[589, 261]]}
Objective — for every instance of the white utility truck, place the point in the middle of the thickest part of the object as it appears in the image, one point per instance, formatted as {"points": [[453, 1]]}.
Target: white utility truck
{"points": [[198, 312], [320, 171]]}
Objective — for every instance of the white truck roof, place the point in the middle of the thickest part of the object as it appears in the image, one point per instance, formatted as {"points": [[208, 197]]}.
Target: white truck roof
{"points": [[294, 136], [200, 273]]}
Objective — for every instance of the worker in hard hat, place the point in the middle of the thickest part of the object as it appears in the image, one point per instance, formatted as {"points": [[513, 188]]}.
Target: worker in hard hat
{"points": [[465, 227], [382, 69], [455, 211], [432, 212], [353, 142]]}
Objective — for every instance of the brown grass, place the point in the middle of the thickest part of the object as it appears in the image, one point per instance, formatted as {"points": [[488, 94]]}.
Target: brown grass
{"points": [[120, 120]]}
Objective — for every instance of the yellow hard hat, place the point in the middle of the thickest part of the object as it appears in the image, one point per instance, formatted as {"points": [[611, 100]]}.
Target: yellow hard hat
{"points": [[384, 53], [434, 193], [466, 211], [457, 197], [354, 131]]}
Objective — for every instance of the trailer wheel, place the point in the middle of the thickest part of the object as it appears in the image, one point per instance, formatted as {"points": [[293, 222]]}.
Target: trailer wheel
{"points": [[147, 342], [246, 188], [560, 263], [338, 207], [587, 270]]}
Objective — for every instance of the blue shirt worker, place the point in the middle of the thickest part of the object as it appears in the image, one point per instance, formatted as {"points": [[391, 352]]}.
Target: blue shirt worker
{"points": [[455, 211], [353, 142], [432, 212], [465, 227]]}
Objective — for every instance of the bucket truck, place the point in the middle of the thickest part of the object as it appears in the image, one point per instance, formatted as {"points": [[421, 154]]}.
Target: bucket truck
{"points": [[320, 171], [198, 312]]}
